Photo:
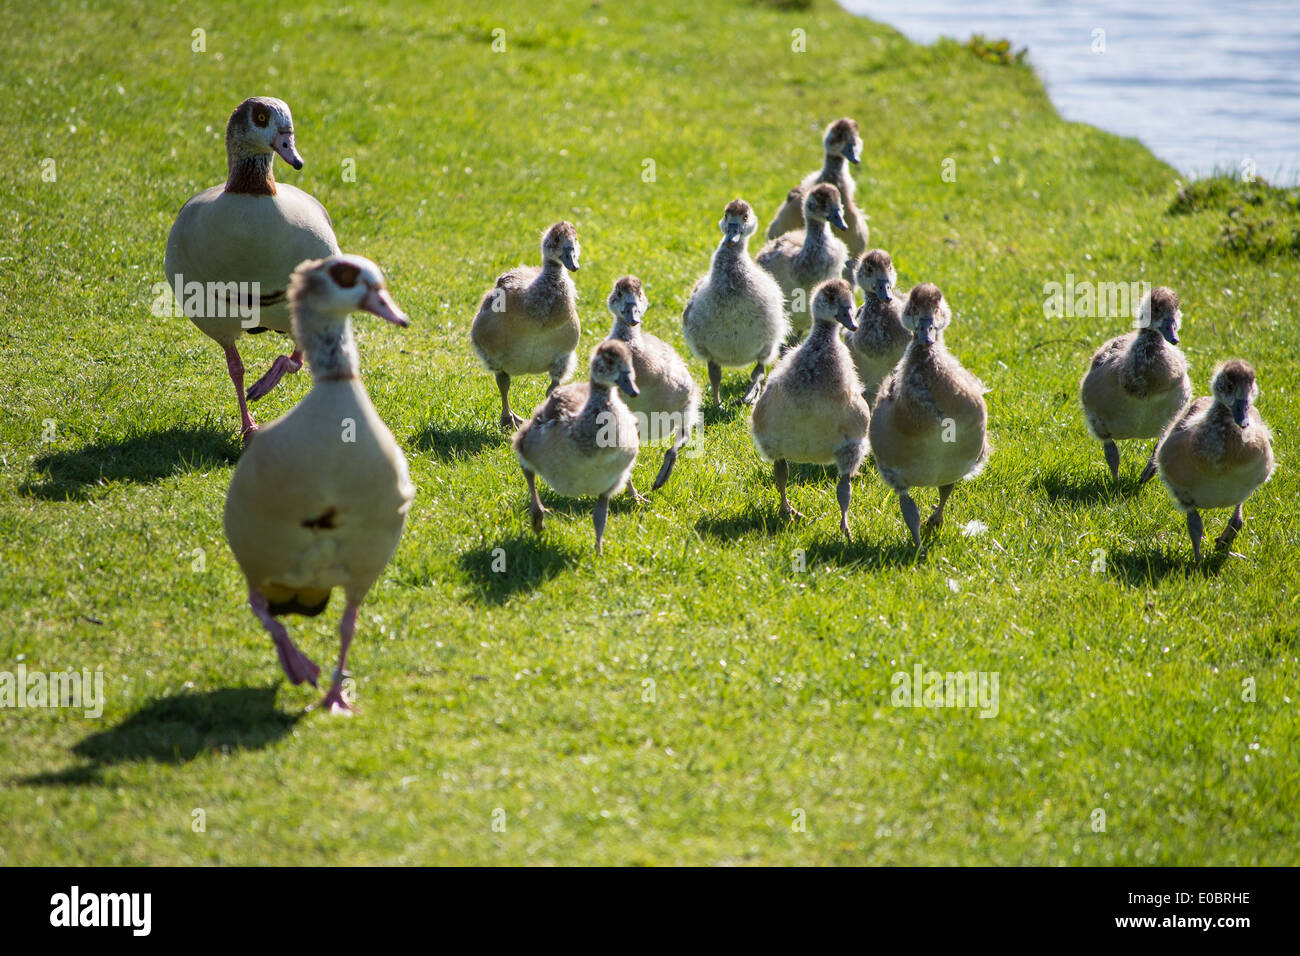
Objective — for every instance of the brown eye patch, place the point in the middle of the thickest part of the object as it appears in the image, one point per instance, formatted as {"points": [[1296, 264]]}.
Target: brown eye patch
{"points": [[261, 117], [345, 274]]}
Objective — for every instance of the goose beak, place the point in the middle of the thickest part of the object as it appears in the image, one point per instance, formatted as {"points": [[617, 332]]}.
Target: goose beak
{"points": [[1241, 412], [1171, 336], [837, 219], [925, 333], [630, 316], [379, 302], [853, 154], [733, 232], [625, 383], [283, 144], [882, 290], [846, 319], [570, 260]]}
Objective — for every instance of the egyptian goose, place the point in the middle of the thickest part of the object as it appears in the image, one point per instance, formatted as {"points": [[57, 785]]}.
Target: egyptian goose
{"points": [[249, 230], [1217, 452], [320, 496], [812, 409], [583, 440], [736, 312], [667, 403], [840, 142], [1137, 382], [528, 322], [881, 338], [929, 424]]}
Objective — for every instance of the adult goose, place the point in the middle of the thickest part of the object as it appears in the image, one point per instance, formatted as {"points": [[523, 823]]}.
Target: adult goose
{"points": [[241, 241], [320, 496]]}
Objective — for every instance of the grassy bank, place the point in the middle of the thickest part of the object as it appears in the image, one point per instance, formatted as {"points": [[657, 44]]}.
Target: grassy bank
{"points": [[683, 698]]}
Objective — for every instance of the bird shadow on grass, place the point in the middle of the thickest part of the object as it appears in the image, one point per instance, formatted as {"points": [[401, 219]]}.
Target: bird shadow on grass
{"points": [[512, 565], [142, 458], [176, 729], [898, 552], [457, 443], [1063, 487], [1147, 566], [736, 524]]}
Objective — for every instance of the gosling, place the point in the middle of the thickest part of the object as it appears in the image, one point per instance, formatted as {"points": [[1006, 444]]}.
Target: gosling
{"points": [[668, 400], [1138, 382], [841, 142], [813, 410], [583, 439], [929, 425], [527, 323], [736, 312], [800, 260], [1217, 452], [881, 338]]}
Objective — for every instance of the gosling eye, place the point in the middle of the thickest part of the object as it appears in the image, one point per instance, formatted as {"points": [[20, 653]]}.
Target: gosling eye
{"points": [[261, 117]]}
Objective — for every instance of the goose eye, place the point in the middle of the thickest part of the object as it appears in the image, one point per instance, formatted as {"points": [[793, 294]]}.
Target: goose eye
{"points": [[261, 118]]}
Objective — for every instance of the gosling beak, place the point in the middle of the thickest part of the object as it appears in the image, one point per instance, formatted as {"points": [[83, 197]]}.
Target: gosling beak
{"points": [[283, 144], [625, 383], [379, 302], [1241, 412], [1170, 334], [852, 154], [837, 219], [846, 319], [570, 260], [882, 290], [630, 316], [733, 233], [925, 333]]}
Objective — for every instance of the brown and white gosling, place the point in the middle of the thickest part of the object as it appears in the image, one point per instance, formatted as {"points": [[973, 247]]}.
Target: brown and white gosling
{"points": [[812, 409], [881, 337], [802, 260], [583, 439], [1137, 382], [668, 399], [929, 424], [841, 142], [527, 323], [1217, 452], [736, 311]]}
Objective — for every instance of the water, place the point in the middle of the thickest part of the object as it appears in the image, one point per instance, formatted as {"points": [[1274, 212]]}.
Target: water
{"points": [[1206, 85]]}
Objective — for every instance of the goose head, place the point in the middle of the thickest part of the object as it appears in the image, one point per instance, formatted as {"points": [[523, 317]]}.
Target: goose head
{"points": [[627, 301], [926, 314], [738, 222], [1233, 386], [334, 287], [842, 139], [822, 204], [560, 244], [1159, 310], [832, 302], [262, 125], [611, 365], [876, 275]]}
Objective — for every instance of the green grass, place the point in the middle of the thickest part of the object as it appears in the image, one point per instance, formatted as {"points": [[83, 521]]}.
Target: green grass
{"points": [[526, 690]]}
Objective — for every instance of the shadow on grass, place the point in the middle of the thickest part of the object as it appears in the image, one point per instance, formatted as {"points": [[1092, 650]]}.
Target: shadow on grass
{"points": [[457, 443], [1146, 566], [514, 564], [1063, 487], [176, 729], [896, 552], [146, 458], [754, 518]]}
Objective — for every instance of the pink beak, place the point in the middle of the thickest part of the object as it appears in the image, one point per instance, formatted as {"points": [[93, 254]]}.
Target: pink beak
{"points": [[283, 144], [379, 302]]}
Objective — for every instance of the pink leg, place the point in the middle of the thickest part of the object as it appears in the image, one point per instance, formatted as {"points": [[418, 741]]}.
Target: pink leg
{"points": [[335, 701], [235, 366], [285, 363], [298, 667]]}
